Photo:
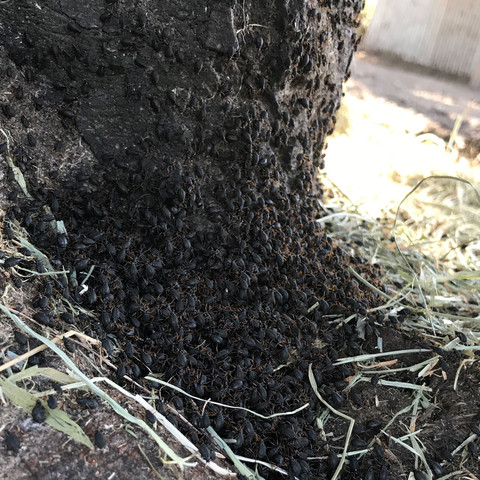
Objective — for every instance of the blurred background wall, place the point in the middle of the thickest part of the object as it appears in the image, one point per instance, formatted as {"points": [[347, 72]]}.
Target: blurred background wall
{"points": [[443, 35]]}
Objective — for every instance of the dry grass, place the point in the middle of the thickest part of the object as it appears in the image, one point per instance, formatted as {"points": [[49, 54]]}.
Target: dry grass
{"points": [[429, 248]]}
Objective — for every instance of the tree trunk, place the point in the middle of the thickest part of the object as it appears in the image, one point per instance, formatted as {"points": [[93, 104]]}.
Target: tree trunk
{"points": [[230, 86], [206, 121]]}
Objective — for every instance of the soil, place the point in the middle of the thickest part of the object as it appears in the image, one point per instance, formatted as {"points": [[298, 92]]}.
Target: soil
{"points": [[442, 424]]}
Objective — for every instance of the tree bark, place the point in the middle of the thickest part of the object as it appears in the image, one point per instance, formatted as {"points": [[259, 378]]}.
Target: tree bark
{"points": [[196, 198], [231, 86]]}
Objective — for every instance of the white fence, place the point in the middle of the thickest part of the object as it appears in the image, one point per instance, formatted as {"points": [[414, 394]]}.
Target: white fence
{"points": [[440, 34]]}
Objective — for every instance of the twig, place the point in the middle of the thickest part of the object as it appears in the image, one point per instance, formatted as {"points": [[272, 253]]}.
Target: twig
{"points": [[240, 466], [390, 383], [368, 284], [35, 350], [161, 420], [457, 374], [149, 462], [402, 443], [266, 417], [368, 356]]}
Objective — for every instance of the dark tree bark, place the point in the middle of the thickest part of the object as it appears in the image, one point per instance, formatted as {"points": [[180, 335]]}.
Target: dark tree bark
{"points": [[206, 121], [226, 85]]}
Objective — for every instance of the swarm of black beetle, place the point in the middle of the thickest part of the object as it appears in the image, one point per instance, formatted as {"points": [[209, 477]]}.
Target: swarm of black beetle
{"points": [[207, 282], [221, 312]]}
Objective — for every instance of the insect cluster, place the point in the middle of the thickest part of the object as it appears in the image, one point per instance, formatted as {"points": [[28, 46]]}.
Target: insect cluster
{"points": [[195, 243]]}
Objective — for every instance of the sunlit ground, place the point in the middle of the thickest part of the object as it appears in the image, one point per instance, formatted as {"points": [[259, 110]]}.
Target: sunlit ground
{"points": [[388, 139]]}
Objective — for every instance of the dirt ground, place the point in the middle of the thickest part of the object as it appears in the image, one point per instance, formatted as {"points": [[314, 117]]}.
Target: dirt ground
{"points": [[444, 419]]}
